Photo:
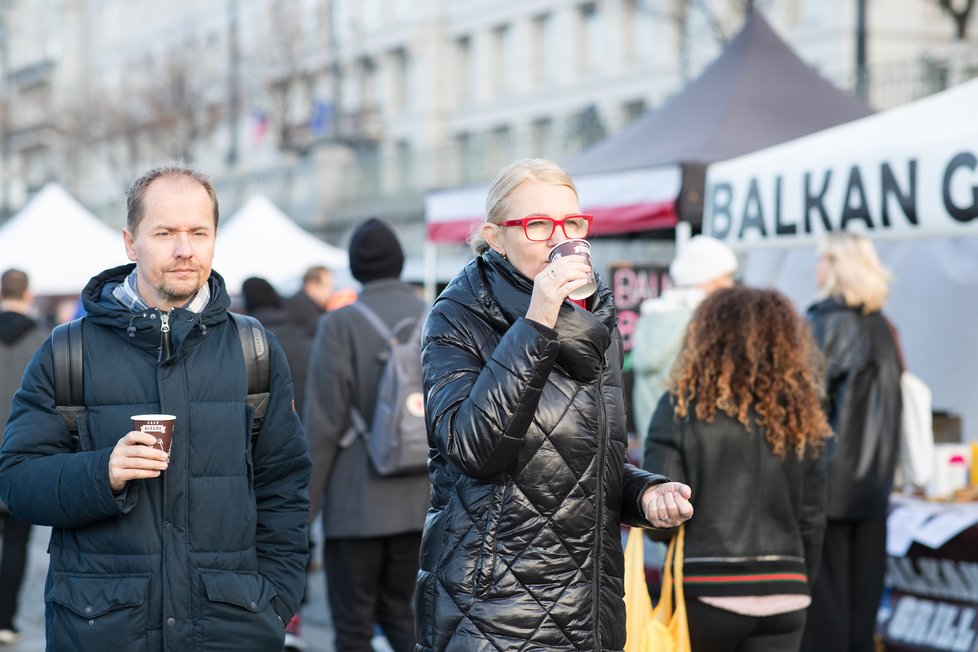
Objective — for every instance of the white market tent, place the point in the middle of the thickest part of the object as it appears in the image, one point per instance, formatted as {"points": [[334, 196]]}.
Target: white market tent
{"points": [[59, 243], [908, 178], [260, 240]]}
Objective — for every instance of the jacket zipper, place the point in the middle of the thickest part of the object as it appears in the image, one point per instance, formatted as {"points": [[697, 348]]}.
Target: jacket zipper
{"points": [[599, 522], [164, 336]]}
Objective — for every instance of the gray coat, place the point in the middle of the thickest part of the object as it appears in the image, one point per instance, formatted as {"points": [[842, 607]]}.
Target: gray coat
{"points": [[344, 370], [20, 337]]}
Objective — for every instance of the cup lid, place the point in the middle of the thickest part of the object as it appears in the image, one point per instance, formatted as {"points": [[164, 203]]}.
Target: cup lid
{"points": [[153, 417]]}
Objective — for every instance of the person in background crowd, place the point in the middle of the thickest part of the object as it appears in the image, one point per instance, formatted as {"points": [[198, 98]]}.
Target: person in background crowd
{"points": [[20, 336], [526, 421], [371, 523], [862, 378], [304, 309], [703, 264], [263, 302], [203, 548], [744, 414], [308, 304]]}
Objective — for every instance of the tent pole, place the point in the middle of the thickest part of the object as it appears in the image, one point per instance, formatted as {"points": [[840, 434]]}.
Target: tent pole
{"points": [[684, 231]]}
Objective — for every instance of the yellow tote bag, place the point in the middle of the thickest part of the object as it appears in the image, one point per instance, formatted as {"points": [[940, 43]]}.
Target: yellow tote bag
{"points": [[663, 628]]}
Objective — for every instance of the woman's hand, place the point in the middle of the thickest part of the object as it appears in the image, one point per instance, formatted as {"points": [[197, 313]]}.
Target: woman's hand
{"points": [[553, 284], [667, 504]]}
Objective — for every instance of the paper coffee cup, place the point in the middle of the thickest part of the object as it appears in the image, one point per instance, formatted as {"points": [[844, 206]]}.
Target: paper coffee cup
{"points": [[158, 425], [577, 248]]}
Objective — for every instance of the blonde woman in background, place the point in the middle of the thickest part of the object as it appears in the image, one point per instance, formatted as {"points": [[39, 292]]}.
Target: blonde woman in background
{"points": [[862, 377]]}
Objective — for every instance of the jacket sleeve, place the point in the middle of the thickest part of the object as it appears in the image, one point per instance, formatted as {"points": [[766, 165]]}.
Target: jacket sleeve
{"points": [[478, 411], [281, 477], [329, 396], [664, 453], [42, 479], [636, 482], [812, 517]]}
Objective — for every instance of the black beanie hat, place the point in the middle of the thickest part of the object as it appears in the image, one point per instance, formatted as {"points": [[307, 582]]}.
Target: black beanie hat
{"points": [[259, 293], [375, 252]]}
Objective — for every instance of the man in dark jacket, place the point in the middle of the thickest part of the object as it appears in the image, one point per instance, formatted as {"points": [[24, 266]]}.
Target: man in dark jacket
{"points": [[304, 309], [201, 549], [20, 336], [372, 524]]}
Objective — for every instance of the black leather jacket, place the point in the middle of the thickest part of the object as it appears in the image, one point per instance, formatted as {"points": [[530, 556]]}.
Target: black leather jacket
{"points": [[522, 544], [759, 520], [864, 403]]}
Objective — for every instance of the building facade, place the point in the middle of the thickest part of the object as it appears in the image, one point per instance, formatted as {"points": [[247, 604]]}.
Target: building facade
{"points": [[341, 109]]}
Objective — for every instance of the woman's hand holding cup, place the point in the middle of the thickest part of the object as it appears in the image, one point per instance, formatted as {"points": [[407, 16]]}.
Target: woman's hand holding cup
{"points": [[560, 278]]}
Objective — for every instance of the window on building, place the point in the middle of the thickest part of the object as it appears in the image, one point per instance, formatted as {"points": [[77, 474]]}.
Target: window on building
{"points": [[464, 79], [632, 110], [638, 30], [368, 83], [400, 82], [466, 157], [500, 149], [590, 43], [541, 138], [542, 49], [403, 166], [504, 60]]}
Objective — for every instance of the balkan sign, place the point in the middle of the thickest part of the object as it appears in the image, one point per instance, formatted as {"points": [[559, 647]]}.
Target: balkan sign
{"points": [[886, 198], [907, 173]]}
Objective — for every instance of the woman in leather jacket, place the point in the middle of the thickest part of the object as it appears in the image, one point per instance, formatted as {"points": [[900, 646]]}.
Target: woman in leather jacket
{"points": [[862, 377], [526, 423], [743, 425]]}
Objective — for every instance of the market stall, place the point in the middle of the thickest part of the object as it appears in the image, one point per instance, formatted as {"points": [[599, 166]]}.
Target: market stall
{"points": [[908, 178]]}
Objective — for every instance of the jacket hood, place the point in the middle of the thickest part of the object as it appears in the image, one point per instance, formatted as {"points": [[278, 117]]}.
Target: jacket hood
{"points": [[490, 286], [13, 326], [143, 327]]}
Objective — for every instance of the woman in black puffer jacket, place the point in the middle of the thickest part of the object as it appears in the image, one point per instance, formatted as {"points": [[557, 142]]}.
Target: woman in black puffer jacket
{"points": [[526, 423]]}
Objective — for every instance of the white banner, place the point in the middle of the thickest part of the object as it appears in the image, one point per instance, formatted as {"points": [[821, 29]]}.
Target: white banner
{"points": [[908, 173]]}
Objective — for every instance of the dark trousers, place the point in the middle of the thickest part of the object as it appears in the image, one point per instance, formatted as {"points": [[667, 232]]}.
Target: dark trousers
{"points": [[372, 581], [13, 562], [847, 591], [717, 630]]}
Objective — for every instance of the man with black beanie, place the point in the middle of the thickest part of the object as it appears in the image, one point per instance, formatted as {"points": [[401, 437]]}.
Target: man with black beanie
{"points": [[372, 523]]}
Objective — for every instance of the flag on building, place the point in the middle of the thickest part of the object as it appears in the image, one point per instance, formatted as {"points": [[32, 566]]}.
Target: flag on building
{"points": [[259, 125]]}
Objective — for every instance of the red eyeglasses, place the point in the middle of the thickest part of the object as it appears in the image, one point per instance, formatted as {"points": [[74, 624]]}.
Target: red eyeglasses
{"points": [[542, 227]]}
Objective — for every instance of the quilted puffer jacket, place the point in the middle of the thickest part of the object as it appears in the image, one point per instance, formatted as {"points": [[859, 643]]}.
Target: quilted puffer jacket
{"points": [[521, 547]]}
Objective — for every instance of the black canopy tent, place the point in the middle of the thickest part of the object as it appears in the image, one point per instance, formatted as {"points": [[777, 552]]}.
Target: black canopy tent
{"points": [[757, 93]]}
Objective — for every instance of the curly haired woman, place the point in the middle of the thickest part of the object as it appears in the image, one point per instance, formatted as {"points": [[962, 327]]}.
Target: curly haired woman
{"points": [[744, 427]]}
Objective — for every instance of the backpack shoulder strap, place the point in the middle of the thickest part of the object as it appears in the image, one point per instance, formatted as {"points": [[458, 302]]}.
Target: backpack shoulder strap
{"points": [[66, 345], [374, 319], [254, 346], [69, 388]]}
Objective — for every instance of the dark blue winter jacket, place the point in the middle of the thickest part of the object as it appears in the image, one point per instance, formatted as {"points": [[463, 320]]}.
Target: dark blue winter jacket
{"points": [[209, 556]]}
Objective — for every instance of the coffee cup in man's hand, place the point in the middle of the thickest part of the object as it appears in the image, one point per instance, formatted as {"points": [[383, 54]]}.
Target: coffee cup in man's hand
{"points": [[157, 425]]}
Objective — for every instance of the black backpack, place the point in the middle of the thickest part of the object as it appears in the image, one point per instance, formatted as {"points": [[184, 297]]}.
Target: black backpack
{"points": [[66, 345]]}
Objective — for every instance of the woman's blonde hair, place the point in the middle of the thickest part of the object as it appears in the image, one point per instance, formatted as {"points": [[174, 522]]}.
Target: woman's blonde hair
{"points": [[748, 354], [854, 274], [509, 179]]}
